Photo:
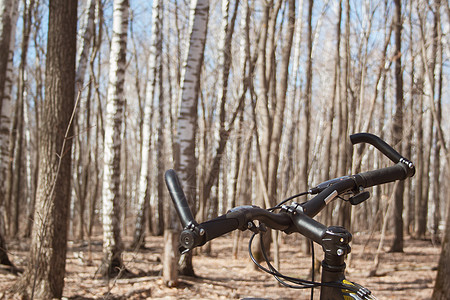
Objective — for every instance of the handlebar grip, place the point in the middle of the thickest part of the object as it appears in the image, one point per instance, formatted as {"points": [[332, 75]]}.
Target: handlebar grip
{"points": [[389, 174], [378, 143], [218, 227], [178, 198]]}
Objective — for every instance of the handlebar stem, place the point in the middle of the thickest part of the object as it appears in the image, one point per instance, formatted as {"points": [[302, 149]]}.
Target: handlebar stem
{"points": [[336, 247], [334, 240]]}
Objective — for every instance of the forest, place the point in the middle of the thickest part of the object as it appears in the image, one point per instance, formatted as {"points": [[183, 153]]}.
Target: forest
{"points": [[250, 101]]}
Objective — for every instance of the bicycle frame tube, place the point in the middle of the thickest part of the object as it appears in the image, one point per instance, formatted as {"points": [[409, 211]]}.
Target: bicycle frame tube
{"points": [[333, 269]]}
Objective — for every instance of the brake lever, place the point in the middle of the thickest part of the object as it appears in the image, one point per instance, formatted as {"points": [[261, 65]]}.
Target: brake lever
{"points": [[359, 198]]}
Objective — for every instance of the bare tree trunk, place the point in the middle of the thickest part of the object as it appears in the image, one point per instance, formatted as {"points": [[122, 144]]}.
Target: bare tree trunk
{"points": [[4, 259], [85, 45], [278, 117], [112, 264], [82, 122], [335, 97], [413, 120], [305, 141], [6, 25], [422, 208], [161, 140], [263, 107], [144, 176], [334, 101], [345, 151], [244, 140], [170, 270], [271, 106], [186, 162], [437, 90], [293, 106], [224, 133], [8, 18], [13, 169], [397, 131], [38, 99], [15, 195], [442, 283], [99, 132], [44, 276], [420, 153], [17, 180]]}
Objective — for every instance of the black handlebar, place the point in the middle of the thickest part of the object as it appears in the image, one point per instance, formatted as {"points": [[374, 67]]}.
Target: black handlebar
{"points": [[298, 219], [385, 175], [381, 145], [178, 198], [404, 168], [378, 143]]}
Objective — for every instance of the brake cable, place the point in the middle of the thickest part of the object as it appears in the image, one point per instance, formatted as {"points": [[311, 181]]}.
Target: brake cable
{"points": [[298, 282], [287, 199]]}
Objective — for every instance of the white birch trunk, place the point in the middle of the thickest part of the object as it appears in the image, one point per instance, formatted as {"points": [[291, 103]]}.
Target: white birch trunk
{"points": [[28, 159], [144, 182], [84, 45], [10, 7], [112, 242], [78, 152], [5, 37], [185, 161], [190, 84], [222, 58]]}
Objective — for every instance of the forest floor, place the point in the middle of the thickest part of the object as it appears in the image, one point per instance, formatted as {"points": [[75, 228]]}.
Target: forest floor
{"points": [[408, 275]]}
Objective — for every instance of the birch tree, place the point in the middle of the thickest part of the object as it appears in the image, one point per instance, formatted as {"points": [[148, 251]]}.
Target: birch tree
{"points": [[224, 133], [112, 263], [82, 149], [38, 92], [8, 16], [185, 159], [85, 44], [44, 274], [14, 176], [99, 132], [144, 176], [6, 25]]}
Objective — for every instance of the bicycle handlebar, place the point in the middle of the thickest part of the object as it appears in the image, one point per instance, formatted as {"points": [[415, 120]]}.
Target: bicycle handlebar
{"points": [[178, 198], [300, 218], [381, 145], [403, 169]]}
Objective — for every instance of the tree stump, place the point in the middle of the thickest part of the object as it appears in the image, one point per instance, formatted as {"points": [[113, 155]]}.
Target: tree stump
{"points": [[170, 258]]}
